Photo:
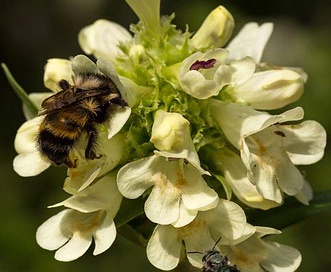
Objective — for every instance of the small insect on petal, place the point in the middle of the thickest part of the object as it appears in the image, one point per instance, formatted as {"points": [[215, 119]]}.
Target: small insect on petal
{"points": [[214, 261], [280, 133]]}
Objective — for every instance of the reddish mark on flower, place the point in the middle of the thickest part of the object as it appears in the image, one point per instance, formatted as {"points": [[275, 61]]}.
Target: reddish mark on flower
{"points": [[280, 133], [203, 64]]}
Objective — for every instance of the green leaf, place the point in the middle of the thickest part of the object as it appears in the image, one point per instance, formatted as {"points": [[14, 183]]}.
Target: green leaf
{"points": [[291, 212], [19, 91]]}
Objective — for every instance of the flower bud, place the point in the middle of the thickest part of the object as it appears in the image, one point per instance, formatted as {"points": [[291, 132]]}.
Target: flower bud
{"points": [[270, 90], [216, 30], [56, 70], [170, 131]]}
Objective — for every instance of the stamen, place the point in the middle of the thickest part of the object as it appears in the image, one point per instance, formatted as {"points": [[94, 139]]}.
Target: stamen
{"points": [[203, 64]]}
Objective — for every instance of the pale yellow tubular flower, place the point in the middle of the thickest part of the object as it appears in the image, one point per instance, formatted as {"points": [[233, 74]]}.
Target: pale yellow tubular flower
{"points": [[171, 136], [216, 29], [89, 217], [56, 70], [235, 174], [102, 39], [269, 90], [257, 254], [227, 219]]}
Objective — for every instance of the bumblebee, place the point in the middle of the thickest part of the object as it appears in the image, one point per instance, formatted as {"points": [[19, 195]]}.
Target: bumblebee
{"points": [[75, 110]]}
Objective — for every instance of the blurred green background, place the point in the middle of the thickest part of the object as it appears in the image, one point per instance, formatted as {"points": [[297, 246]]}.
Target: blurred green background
{"points": [[33, 31]]}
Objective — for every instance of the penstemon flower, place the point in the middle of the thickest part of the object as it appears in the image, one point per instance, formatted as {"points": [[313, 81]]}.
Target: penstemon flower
{"points": [[192, 144]]}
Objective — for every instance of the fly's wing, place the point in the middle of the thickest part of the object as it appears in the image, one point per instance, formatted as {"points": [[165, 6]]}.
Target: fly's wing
{"points": [[66, 98]]}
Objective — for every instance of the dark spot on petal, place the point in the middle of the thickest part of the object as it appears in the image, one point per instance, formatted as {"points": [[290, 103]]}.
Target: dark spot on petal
{"points": [[203, 64], [280, 133]]}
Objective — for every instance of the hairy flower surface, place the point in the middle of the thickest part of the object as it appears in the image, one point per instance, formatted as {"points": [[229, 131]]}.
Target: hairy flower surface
{"points": [[192, 142]]}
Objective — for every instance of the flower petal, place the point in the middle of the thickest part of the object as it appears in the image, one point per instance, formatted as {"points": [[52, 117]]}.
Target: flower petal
{"points": [[236, 174], [30, 164], [185, 216], [227, 218], [250, 41], [281, 258], [135, 177], [239, 121], [199, 241], [50, 235], [82, 64], [243, 69], [197, 195], [164, 247], [195, 84], [102, 39], [118, 119], [105, 235], [169, 131], [103, 195], [109, 152], [305, 194], [162, 205], [305, 142], [270, 90], [25, 139], [75, 248]]}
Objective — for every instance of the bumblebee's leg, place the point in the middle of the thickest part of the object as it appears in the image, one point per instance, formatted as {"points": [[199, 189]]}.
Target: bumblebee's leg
{"points": [[91, 142]]}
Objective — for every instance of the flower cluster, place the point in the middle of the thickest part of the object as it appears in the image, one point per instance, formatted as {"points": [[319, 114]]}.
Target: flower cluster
{"points": [[195, 133]]}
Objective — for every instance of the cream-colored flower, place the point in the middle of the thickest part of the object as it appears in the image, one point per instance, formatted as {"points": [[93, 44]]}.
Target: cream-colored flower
{"points": [[102, 39], [90, 215], [55, 71], [227, 219], [235, 174], [109, 151], [216, 29], [268, 90], [171, 135], [179, 190], [270, 149], [256, 254]]}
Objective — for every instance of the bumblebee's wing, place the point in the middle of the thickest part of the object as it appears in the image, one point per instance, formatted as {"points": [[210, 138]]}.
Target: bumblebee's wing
{"points": [[67, 97]]}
